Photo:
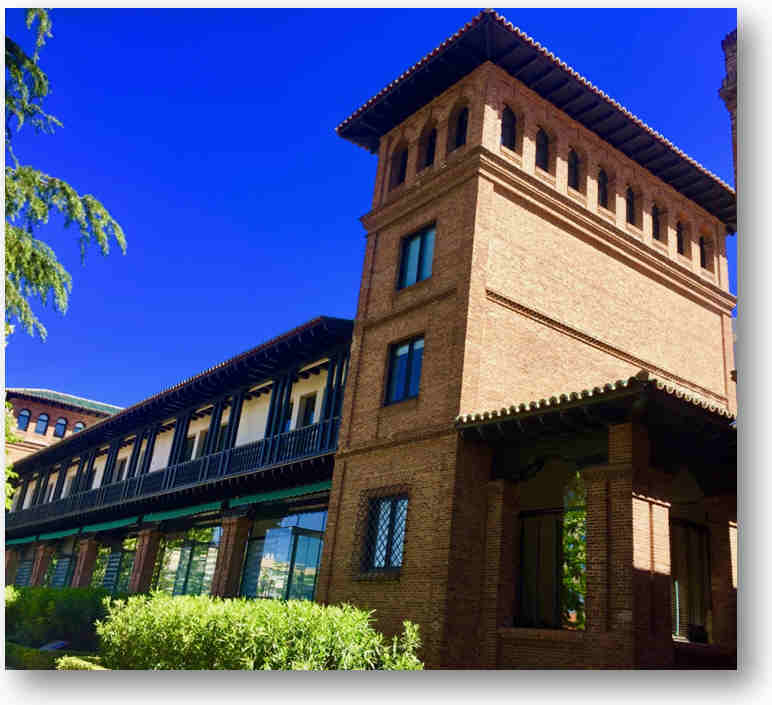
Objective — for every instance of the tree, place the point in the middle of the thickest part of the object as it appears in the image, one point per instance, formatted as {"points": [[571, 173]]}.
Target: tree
{"points": [[31, 267]]}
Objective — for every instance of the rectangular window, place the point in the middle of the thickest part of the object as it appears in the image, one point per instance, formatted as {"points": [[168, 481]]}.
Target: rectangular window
{"points": [[690, 573], [186, 564], [187, 450], [405, 361], [416, 257], [385, 537], [120, 469], [307, 408]]}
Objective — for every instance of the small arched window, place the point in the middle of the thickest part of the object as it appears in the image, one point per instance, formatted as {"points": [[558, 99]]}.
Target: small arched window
{"points": [[679, 231], [427, 149], [542, 150], [61, 427], [655, 222], [703, 254], [602, 189], [573, 170], [78, 427], [42, 425], [508, 129], [398, 167], [23, 420], [630, 199], [459, 129]]}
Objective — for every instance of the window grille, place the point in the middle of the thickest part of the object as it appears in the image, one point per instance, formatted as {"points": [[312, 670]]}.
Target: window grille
{"points": [[385, 533]]}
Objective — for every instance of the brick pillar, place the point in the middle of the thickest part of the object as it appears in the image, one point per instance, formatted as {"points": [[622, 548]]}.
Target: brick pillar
{"points": [[84, 567], [11, 564], [499, 581], [148, 541], [227, 571], [721, 513], [43, 554]]}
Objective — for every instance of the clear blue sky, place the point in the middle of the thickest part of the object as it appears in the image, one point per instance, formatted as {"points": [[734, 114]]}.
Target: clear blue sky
{"points": [[209, 135]]}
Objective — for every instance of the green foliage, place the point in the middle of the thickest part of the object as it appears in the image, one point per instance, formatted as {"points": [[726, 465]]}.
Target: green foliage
{"points": [[158, 632], [75, 663], [574, 579], [31, 267], [37, 615], [26, 658], [10, 437]]}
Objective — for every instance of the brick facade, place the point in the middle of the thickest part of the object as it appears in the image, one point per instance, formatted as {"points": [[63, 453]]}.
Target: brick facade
{"points": [[84, 567], [227, 572], [148, 543]]}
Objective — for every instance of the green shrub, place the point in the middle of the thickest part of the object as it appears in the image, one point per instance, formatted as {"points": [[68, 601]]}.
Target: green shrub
{"points": [[36, 615], [25, 658], [74, 663], [187, 632]]}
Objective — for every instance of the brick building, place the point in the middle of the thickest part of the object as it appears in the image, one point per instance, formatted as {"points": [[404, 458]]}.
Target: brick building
{"points": [[44, 416], [525, 440]]}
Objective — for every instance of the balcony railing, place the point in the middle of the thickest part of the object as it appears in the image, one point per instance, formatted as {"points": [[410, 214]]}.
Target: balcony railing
{"points": [[301, 443]]}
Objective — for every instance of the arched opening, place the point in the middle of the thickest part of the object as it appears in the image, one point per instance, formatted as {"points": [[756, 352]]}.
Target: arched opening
{"points": [[459, 124], [508, 129], [42, 424], [398, 171], [61, 427], [427, 148], [23, 421]]}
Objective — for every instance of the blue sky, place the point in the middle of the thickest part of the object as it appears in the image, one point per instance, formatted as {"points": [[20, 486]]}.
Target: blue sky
{"points": [[209, 135]]}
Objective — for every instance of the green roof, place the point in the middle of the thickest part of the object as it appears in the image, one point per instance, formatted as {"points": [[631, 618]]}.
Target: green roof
{"points": [[104, 526], [185, 511], [71, 400], [281, 494]]}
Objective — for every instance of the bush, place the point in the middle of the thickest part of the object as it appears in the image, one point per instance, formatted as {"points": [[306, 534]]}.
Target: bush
{"points": [[74, 663], [37, 615], [186, 632], [25, 658]]}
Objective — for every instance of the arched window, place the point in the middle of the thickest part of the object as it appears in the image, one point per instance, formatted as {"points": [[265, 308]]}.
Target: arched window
{"points": [[23, 420], [427, 148], [655, 222], [398, 167], [61, 427], [459, 123], [42, 425], [630, 199], [78, 427], [679, 231], [703, 254], [542, 150], [602, 189], [508, 129], [573, 170]]}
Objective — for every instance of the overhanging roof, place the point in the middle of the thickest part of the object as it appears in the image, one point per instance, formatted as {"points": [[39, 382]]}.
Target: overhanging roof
{"points": [[303, 343], [490, 37]]}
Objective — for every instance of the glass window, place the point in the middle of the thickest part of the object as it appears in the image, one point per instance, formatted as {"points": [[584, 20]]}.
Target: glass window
{"points": [[187, 450], [416, 259], [120, 469], [457, 129], [573, 170], [42, 425], [508, 129], [398, 167], [405, 364], [602, 189], [23, 420], [428, 148], [61, 427], [690, 573], [542, 150], [385, 538], [185, 565], [307, 408], [78, 427]]}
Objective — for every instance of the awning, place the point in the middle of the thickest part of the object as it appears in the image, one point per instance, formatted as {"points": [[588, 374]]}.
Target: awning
{"points": [[110, 524], [185, 511], [281, 494], [26, 539], [59, 534]]}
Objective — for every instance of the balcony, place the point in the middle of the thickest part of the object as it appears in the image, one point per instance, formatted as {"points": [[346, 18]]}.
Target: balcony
{"points": [[307, 442]]}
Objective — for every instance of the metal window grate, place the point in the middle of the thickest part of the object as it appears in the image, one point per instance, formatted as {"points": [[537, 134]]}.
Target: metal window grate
{"points": [[384, 539]]}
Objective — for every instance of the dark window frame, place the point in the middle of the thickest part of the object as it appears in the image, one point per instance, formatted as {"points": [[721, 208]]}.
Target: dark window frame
{"points": [[655, 223], [371, 537], [574, 163], [26, 414], [543, 150], [703, 252], [427, 151], [61, 421], [680, 240], [630, 206], [509, 128], [403, 255], [38, 421], [603, 189], [459, 128], [411, 342], [398, 172]]}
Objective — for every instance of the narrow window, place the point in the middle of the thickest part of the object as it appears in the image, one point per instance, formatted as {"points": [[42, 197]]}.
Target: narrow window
{"points": [[187, 449], [679, 237], [508, 129], [78, 427], [458, 128], [690, 575], [630, 199], [602, 189], [120, 469], [703, 254], [23, 421], [42, 425], [385, 538], [655, 222], [405, 361], [416, 258], [428, 149], [288, 420], [307, 409], [398, 167], [542, 150], [573, 170], [61, 427]]}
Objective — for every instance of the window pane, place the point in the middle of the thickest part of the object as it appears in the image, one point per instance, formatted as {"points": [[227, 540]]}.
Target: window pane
{"points": [[427, 255], [398, 539], [415, 368], [42, 424], [410, 253], [201, 443], [60, 428], [312, 520], [308, 551], [274, 564], [23, 420], [381, 533], [249, 578], [187, 450], [398, 373]]}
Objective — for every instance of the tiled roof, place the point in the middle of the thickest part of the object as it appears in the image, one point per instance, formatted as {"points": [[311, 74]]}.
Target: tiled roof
{"points": [[591, 394], [366, 124], [69, 399]]}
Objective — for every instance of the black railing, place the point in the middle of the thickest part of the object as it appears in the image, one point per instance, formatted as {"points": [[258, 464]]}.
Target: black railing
{"points": [[294, 445]]}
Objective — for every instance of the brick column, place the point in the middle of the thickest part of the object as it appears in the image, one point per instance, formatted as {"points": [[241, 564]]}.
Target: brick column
{"points": [[499, 580], [43, 554], [721, 513], [148, 541], [84, 567], [11, 564], [227, 571]]}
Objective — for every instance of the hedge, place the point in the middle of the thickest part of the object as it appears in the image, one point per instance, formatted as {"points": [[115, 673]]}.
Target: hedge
{"points": [[185, 632], [74, 663], [25, 658], [37, 615]]}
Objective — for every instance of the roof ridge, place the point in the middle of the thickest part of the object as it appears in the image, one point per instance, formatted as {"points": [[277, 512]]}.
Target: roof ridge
{"points": [[21, 390]]}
